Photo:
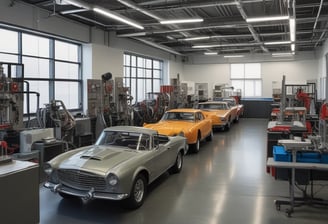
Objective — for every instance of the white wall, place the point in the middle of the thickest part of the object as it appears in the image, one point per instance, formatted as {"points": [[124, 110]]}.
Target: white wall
{"points": [[295, 72], [209, 73], [106, 59]]}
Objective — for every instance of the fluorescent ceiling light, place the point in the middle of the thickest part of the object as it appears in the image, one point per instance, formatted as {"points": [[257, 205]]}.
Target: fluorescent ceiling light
{"points": [[283, 54], [266, 19], [175, 21], [205, 46], [233, 56], [292, 26], [227, 45], [277, 42], [211, 53], [140, 34], [117, 17], [195, 38], [73, 11]]}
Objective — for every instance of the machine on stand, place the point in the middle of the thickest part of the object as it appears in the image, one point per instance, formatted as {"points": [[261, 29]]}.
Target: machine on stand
{"points": [[151, 109], [11, 111], [109, 103], [16, 135]]}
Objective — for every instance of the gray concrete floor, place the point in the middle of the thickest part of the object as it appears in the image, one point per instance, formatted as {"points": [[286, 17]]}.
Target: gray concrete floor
{"points": [[225, 183]]}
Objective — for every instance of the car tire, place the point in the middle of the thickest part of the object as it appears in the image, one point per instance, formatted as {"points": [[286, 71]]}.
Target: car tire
{"points": [[138, 193], [177, 167], [237, 119], [195, 147], [210, 136], [227, 126]]}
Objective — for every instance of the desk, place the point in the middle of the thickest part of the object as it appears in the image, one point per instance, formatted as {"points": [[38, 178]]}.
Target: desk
{"points": [[293, 166]]}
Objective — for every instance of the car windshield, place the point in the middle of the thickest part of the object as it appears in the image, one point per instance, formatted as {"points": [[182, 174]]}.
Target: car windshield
{"points": [[132, 140], [216, 106], [185, 116]]}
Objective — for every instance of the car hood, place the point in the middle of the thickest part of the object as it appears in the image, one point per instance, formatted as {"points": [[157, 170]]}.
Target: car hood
{"points": [[98, 159], [171, 128]]}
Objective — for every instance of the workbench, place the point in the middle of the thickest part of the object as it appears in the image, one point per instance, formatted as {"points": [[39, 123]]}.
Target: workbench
{"points": [[293, 166]]}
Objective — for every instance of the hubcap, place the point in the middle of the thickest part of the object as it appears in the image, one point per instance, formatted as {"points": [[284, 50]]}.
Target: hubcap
{"points": [[139, 190], [179, 160]]}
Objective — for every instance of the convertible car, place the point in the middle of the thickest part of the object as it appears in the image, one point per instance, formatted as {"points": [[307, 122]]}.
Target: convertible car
{"points": [[123, 161], [234, 103], [190, 123], [221, 113]]}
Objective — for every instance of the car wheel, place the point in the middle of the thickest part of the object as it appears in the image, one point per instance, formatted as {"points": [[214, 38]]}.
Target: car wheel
{"points": [[177, 167], [237, 119], [228, 125], [210, 137], [138, 193], [196, 146]]}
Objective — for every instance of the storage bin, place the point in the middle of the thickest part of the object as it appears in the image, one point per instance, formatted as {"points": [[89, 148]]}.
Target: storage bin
{"points": [[308, 157], [324, 158], [279, 154]]}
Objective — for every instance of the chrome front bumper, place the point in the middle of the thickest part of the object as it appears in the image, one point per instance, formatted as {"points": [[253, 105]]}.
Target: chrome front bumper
{"points": [[85, 195]]}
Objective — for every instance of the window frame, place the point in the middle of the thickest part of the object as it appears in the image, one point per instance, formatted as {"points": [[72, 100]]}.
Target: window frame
{"points": [[256, 81], [51, 78], [144, 71]]}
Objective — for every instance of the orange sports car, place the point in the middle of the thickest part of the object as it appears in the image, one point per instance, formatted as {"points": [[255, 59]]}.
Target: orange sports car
{"points": [[221, 113], [190, 123]]}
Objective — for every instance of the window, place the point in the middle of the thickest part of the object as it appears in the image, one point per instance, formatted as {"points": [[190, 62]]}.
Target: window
{"points": [[8, 46], [143, 75], [51, 67], [247, 78]]}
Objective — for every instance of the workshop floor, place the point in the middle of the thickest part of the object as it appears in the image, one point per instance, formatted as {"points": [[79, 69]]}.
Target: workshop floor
{"points": [[225, 183]]}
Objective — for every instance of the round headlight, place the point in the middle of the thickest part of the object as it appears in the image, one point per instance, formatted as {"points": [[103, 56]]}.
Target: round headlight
{"points": [[181, 134], [112, 179], [47, 168]]}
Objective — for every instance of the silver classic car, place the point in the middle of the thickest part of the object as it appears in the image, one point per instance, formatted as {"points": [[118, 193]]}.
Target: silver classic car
{"points": [[123, 161]]}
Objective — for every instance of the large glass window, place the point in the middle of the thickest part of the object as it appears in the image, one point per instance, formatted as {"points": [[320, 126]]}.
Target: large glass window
{"points": [[143, 75], [247, 78], [8, 46], [52, 67]]}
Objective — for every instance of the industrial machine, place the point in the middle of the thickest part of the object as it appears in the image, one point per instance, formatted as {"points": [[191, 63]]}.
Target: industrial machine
{"points": [[56, 116], [201, 90], [109, 102], [151, 109], [17, 138], [11, 109]]}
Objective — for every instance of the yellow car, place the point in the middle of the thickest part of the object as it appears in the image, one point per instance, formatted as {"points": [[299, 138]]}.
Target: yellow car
{"points": [[190, 123], [220, 112]]}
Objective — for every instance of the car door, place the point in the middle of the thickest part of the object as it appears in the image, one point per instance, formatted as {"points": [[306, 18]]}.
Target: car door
{"points": [[160, 158], [203, 124]]}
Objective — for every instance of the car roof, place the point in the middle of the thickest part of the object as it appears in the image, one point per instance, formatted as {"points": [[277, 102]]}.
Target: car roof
{"points": [[190, 110], [132, 129]]}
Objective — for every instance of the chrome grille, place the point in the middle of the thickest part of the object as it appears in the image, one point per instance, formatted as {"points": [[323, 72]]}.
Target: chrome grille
{"points": [[81, 179]]}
